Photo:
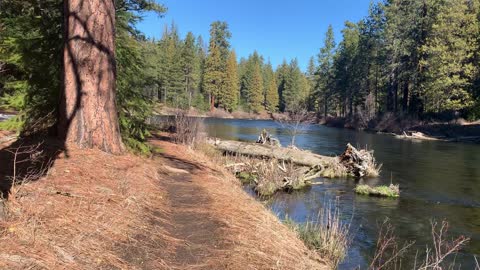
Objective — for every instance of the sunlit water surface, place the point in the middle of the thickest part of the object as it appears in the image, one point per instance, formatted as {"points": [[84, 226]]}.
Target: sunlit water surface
{"points": [[438, 180]]}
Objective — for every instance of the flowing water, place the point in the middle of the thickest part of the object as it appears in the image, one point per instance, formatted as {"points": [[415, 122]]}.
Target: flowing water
{"points": [[438, 180]]}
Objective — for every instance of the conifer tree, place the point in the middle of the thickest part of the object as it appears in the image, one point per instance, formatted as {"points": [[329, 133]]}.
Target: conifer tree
{"points": [[296, 87], [325, 71], [311, 75], [256, 88], [231, 91], [216, 62], [272, 99], [282, 75], [254, 96], [268, 75], [450, 54], [189, 65], [347, 80], [171, 73], [213, 78]]}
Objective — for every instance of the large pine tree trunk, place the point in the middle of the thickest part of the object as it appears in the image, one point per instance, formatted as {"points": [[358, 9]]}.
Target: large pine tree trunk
{"points": [[88, 114]]}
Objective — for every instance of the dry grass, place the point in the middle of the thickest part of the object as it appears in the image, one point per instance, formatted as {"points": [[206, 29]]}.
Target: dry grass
{"points": [[188, 130], [98, 211], [260, 240], [326, 234], [267, 176], [87, 212]]}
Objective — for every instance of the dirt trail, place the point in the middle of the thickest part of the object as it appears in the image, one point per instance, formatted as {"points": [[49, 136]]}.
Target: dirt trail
{"points": [[200, 234], [178, 210], [217, 225]]}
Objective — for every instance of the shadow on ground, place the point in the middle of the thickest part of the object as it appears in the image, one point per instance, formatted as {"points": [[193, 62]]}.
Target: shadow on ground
{"points": [[26, 160]]}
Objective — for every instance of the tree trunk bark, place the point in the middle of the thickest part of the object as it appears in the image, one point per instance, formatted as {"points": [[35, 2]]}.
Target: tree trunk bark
{"points": [[405, 96], [325, 109], [212, 102], [88, 115]]}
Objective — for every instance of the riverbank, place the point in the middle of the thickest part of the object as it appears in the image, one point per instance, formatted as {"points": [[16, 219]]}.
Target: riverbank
{"points": [[403, 128], [216, 113], [457, 130], [174, 210]]}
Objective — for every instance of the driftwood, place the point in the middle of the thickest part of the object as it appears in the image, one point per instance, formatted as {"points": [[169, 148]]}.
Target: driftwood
{"points": [[353, 162], [270, 168], [267, 138], [299, 157], [359, 163], [416, 136]]}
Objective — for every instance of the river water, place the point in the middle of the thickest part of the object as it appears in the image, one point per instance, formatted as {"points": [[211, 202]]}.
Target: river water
{"points": [[438, 181]]}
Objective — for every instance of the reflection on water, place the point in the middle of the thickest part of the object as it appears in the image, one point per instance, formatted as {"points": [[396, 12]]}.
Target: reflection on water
{"points": [[438, 181]]}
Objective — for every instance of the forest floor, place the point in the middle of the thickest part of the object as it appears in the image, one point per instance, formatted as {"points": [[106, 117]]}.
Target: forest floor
{"points": [[175, 210]]}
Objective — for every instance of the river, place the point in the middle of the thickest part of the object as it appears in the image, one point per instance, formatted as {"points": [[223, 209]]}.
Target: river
{"points": [[438, 181]]}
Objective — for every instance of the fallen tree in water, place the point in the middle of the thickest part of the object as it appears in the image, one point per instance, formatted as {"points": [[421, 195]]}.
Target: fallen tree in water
{"points": [[270, 168], [297, 156]]}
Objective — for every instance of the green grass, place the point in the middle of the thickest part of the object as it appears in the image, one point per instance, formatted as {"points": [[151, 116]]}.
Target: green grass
{"points": [[246, 178], [391, 191]]}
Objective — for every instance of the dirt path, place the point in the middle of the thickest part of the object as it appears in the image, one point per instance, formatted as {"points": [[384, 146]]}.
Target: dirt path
{"points": [[178, 210], [200, 234], [218, 226]]}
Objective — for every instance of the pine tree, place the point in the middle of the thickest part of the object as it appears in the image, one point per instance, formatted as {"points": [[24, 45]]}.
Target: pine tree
{"points": [[189, 66], [347, 65], [311, 68], [254, 97], [171, 74], [213, 78], [450, 54], [311, 75], [90, 125], [272, 99], [271, 91], [296, 87], [216, 63], [325, 71], [256, 89], [372, 55], [220, 34], [231, 91], [282, 75]]}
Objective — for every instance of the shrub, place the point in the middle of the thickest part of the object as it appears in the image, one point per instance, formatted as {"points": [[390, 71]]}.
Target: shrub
{"points": [[188, 130]]}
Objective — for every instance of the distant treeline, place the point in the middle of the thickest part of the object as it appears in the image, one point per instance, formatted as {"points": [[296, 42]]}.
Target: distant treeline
{"points": [[189, 72], [407, 57]]}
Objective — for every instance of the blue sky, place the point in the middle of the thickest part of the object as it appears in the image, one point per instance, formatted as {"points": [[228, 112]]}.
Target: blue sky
{"points": [[276, 29]]}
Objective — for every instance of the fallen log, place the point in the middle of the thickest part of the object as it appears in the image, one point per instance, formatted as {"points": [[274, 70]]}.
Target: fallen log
{"points": [[271, 168], [299, 157], [353, 162]]}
